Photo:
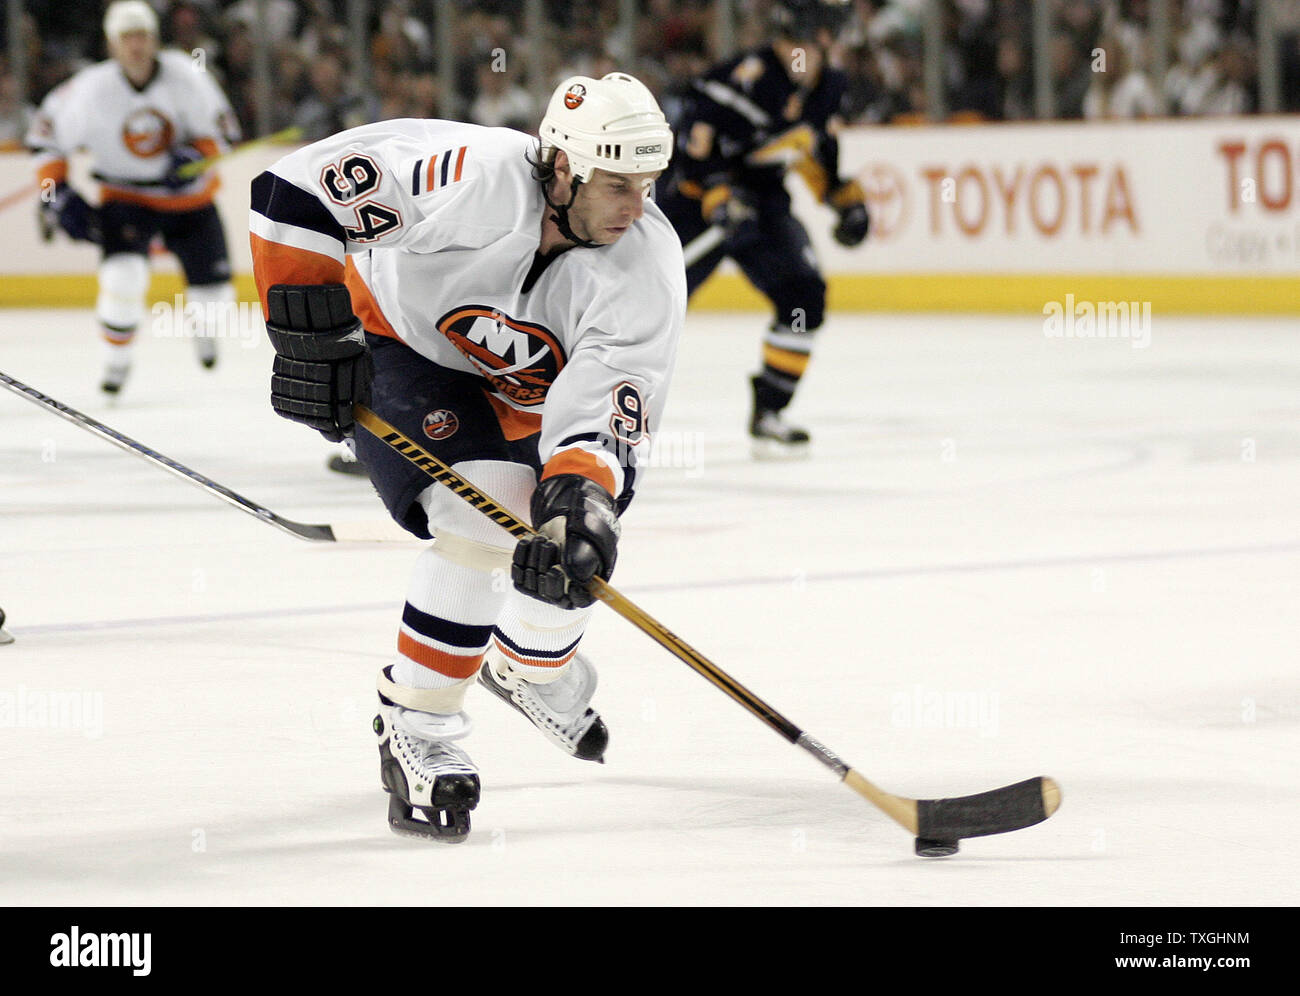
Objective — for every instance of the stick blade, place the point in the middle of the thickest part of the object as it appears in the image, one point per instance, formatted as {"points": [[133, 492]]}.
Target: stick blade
{"points": [[1001, 810]]}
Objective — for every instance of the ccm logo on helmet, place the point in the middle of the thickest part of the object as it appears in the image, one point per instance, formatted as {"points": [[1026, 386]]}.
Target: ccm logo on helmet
{"points": [[574, 95], [649, 150]]}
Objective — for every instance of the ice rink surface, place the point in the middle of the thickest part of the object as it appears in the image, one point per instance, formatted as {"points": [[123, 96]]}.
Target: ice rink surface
{"points": [[1009, 555]]}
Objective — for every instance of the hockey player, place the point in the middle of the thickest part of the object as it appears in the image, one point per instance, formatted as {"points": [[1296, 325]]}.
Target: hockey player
{"points": [[742, 125], [142, 115], [514, 304]]}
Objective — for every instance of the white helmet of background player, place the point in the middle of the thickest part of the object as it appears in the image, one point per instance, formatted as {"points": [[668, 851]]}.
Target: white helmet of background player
{"points": [[124, 16], [613, 123]]}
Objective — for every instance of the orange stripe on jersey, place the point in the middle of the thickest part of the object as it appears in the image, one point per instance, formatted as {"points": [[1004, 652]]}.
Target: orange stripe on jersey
{"points": [[514, 423], [188, 202], [451, 665], [428, 174], [536, 661], [274, 263], [460, 161], [786, 361], [577, 461], [208, 147], [57, 170], [364, 305]]}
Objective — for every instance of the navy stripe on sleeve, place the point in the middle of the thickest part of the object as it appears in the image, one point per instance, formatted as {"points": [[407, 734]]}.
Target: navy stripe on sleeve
{"points": [[279, 200]]}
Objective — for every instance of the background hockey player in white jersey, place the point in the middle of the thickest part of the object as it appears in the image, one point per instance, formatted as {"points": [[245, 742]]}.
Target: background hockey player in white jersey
{"points": [[520, 304], [142, 115]]}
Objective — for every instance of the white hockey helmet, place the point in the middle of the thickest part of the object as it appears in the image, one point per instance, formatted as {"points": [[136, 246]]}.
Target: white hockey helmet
{"points": [[613, 123], [123, 16]]}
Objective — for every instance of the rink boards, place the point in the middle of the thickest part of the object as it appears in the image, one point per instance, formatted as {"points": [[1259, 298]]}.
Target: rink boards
{"points": [[1186, 216]]}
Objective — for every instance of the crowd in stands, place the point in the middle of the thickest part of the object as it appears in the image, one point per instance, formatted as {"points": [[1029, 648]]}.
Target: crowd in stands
{"points": [[505, 62]]}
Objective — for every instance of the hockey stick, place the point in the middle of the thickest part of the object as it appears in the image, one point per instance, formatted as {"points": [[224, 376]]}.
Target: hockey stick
{"points": [[937, 824], [703, 244], [359, 532], [190, 170]]}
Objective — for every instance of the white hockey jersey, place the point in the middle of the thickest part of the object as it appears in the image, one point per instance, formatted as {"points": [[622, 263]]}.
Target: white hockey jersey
{"points": [[129, 131], [434, 226]]}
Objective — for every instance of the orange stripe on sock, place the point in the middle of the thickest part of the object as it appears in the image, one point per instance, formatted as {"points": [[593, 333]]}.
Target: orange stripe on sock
{"points": [[534, 661], [451, 665]]}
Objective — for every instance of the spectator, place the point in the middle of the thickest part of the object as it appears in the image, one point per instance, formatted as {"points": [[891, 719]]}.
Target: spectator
{"points": [[14, 115], [1015, 81], [332, 105], [501, 103], [1119, 88]]}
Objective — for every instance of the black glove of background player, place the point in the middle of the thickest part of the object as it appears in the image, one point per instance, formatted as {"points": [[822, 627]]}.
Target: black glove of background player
{"points": [[728, 207], [577, 540], [850, 203], [322, 366], [62, 207]]}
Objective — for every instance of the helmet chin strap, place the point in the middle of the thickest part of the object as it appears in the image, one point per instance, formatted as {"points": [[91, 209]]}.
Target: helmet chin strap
{"points": [[562, 216]]}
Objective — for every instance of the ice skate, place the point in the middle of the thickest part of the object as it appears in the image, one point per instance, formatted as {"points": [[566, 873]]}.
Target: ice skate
{"points": [[342, 463], [560, 709], [205, 347], [773, 438], [115, 374], [433, 784]]}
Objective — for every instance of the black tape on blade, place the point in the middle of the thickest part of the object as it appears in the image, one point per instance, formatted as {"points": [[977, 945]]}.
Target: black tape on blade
{"points": [[1011, 807]]}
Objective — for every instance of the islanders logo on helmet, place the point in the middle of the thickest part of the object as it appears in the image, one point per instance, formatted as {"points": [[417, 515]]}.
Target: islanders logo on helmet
{"points": [[613, 123], [574, 95]]}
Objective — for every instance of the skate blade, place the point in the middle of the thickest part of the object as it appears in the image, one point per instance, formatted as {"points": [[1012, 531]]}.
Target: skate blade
{"points": [[442, 826], [774, 450]]}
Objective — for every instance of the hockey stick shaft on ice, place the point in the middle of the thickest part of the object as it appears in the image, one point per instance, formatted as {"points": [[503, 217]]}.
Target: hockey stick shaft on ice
{"points": [[1000, 810], [302, 530]]}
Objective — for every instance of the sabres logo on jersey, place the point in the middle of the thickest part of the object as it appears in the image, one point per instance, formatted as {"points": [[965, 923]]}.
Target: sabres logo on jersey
{"points": [[147, 133], [519, 359]]}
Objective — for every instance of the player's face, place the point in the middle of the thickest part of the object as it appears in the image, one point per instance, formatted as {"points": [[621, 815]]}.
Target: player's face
{"points": [[609, 204], [135, 50]]}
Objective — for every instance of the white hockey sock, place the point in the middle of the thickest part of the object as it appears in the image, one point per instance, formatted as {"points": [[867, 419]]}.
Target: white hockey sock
{"points": [[539, 639]]}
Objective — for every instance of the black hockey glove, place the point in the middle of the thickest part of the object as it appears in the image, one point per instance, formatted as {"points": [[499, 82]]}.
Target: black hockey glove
{"points": [[177, 159], [850, 202], [728, 207], [577, 540], [64, 208], [322, 366]]}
